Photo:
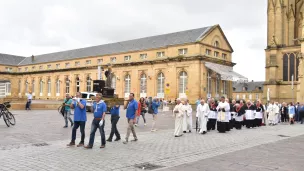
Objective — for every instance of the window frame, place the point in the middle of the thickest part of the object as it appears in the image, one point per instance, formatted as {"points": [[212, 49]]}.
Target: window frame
{"points": [[183, 50]]}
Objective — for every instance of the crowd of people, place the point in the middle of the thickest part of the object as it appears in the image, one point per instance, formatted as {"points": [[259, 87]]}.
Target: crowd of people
{"points": [[225, 115], [134, 110]]}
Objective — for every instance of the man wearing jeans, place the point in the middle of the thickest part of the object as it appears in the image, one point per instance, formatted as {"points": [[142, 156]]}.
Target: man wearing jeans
{"points": [[99, 108], [155, 105], [67, 110], [131, 107], [80, 118]]}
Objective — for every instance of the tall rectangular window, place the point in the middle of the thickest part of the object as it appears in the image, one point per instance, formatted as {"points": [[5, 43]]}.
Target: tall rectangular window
{"points": [[216, 54], [224, 56], [285, 67]]}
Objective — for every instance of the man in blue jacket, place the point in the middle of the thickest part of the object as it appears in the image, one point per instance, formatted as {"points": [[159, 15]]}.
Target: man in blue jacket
{"points": [[80, 118], [131, 107], [99, 108]]}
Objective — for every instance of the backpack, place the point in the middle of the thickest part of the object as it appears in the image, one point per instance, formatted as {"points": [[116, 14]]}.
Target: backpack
{"points": [[150, 109]]}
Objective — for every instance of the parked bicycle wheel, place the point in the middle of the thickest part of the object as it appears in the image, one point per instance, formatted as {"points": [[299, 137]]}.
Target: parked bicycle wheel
{"points": [[11, 118], [6, 120]]}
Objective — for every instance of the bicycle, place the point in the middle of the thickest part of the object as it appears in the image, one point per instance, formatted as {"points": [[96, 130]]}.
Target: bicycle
{"points": [[8, 117]]}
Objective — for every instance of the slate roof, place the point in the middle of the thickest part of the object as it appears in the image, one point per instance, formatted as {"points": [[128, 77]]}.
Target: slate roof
{"points": [[182, 37], [251, 86], [6, 59]]}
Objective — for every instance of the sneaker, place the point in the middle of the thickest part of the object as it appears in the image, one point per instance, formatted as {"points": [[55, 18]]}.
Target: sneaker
{"points": [[109, 140], [125, 142], [65, 126], [102, 146], [135, 125], [184, 131], [71, 144], [117, 139]]}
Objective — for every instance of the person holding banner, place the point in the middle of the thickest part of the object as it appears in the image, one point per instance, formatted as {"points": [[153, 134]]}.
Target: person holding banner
{"points": [[223, 109]]}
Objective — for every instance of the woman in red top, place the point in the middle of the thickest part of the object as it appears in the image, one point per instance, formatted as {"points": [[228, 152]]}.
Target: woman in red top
{"points": [[141, 110]]}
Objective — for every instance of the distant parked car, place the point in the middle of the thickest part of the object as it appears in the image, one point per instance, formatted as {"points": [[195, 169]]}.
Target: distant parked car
{"points": [[89, 97]]}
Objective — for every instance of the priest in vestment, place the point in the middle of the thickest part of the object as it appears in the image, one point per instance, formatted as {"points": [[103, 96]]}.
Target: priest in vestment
{"points": [[202, 112], [233, 114], [249, 114], [178, 113], [187, 122], [223, 109], [272, 111]]}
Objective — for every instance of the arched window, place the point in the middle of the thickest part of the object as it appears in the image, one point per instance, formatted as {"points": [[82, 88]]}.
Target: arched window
{"points": [[67, 85], [77, 84], [127, 84], [216, 44], [19, 86], [41, 87], [33, 86], [113, 84], [57, 86], [285, 67], [143, 83], [89, 83], [291, 66], [183, 82], [49, 86], [160, 83]]}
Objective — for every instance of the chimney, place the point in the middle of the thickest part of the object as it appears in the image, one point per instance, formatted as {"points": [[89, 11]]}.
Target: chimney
{"points": [[32, 58]]}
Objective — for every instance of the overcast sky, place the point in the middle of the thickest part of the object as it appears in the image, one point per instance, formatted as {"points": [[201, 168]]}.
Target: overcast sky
{"points": [[44, 26]]}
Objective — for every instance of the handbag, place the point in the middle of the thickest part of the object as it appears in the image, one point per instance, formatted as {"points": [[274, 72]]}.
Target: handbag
{"points": [[62, 110]]}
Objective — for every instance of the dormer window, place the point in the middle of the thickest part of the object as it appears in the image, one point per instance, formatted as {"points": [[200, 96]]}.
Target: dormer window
{"points": [[127, 58]]}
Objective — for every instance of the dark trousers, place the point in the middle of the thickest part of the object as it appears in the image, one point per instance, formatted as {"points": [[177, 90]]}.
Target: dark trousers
{"points": [[258, 122], [222, 126], [249, 123], [28, 104], [301, 113], [94, 126], [238, 125], [77, 124], [231, 123], [283, 117], [114, 130], [211, 124]]}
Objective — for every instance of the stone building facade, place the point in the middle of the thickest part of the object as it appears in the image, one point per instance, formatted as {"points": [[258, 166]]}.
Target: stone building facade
{"points": [[193, 63], [283, 52], [252, 91]]}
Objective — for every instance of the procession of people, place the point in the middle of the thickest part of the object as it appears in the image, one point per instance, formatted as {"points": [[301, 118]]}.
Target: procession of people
{"points": [[222, 115]]}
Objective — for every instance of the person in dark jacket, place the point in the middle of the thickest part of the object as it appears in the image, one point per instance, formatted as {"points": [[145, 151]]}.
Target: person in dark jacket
{"points": [[114, 120], [301, 112]]}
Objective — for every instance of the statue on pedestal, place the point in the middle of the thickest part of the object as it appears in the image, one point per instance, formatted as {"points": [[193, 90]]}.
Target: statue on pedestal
{"points": [[109, 76]]}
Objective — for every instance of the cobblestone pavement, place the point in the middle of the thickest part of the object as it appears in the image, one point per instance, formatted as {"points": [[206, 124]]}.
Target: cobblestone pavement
{"points": [[38, 142]]}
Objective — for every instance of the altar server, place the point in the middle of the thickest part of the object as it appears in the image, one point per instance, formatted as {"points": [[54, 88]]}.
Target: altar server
{"points": [[239, 110], [250, 112], [212, 116], [259, 113]]}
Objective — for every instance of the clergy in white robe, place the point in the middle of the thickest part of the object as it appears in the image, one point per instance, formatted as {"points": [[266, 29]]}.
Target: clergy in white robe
{"points": [[178, 113], [187, 121], [202, 112], [272, 111], [223, 109]]}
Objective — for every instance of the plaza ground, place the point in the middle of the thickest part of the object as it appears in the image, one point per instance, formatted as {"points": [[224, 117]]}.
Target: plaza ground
{"points": [[38, 142]]}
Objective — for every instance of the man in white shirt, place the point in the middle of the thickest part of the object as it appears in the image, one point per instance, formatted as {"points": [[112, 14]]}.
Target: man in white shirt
{"points": [[29, 101]]}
